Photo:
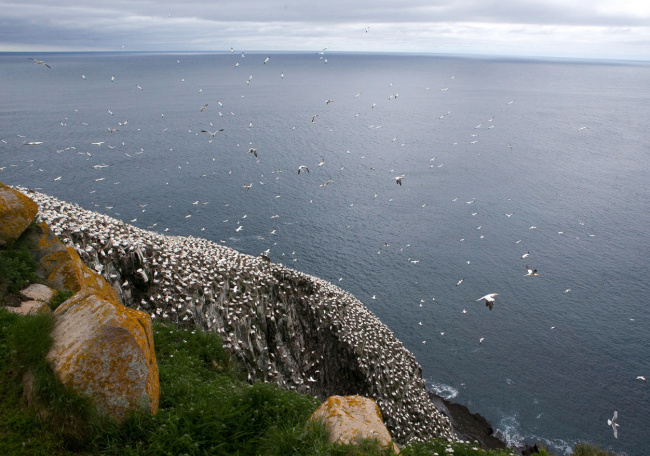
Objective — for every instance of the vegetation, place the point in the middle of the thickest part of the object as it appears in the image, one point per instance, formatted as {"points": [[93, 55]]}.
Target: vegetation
{"points": [[205, 407], [586, 449], [59, 298], [17, 267], [17, 270]]}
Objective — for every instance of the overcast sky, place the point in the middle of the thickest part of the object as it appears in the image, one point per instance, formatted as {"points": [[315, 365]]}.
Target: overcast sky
{"points": [[611, 29]]}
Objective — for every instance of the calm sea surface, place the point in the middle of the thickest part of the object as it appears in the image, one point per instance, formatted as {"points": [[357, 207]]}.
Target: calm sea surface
{"points": [[499, 157]]}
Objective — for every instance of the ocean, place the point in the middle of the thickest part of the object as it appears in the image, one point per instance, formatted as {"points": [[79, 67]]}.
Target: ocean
{"points": [[499, 157]]}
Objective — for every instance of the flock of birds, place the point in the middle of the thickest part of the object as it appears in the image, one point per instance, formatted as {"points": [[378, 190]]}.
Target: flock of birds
{"points": [[168, 263], [290, 328]]}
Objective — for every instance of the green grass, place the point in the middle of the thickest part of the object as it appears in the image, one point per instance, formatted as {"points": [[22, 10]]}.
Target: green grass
{"points": [[17, 267], [59, 298], [17, 270], [205, 407], [586, 449]]}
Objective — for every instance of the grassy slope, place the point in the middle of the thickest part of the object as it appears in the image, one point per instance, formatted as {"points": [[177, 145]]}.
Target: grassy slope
{"points": [[205, 407]]}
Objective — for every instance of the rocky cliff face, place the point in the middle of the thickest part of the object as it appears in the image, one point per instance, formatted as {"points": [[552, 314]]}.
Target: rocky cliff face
{"points": [[290, 328]]}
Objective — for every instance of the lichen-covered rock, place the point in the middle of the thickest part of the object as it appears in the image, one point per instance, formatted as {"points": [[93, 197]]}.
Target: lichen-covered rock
{"points": [[349, 418], [104, 350], [16, 213], [61, 267]]}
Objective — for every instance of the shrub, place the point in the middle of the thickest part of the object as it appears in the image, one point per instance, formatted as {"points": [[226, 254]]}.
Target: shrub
{"points": [[17, 269]]}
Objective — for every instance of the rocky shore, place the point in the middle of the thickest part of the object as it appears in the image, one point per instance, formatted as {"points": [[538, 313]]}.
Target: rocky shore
{"points": [[286, 327]]}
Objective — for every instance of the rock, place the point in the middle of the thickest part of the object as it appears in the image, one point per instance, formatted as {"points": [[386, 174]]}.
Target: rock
{"points": [[100, 348], [61, 268], [104, 350], [349, 418], [537, 448], [30, 307], [16, 213], [467, 425], [38, 296], [38, 292]]}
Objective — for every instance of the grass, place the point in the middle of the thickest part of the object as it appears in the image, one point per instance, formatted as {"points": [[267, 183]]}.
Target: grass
{"points": [[205, 407], [17, 267], [59, 298], [586, 449], [17, 270]]}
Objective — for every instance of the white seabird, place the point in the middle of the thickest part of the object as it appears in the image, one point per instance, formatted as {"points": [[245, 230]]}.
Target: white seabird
{"points": [[301, 167], [398, 179], [613, 424], [489, 299], [531, 272], [212, 132]]}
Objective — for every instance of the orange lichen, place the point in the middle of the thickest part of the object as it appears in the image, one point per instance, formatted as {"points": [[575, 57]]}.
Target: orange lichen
{"points": [[349, 418], [16, 213]]}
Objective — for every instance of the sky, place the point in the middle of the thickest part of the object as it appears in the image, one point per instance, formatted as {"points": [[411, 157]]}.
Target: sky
{"points": [[601, 29]]}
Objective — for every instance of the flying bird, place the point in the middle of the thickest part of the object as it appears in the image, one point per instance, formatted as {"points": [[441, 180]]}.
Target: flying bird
{"points": [[253, 151], [328, 101], [531, 272], [525, 255], [205, 106], [613, 424], [211, 132], [301, 167], [489, 299], [39, 62], [398, 179], [460, 281]]}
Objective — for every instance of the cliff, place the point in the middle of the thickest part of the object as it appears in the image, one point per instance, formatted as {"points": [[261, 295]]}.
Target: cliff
{"points": [[287, 327]]}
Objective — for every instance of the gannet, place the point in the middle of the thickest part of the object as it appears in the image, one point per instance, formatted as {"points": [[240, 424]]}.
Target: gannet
{"points": [[301, 167], [212, 132], [525, 255], [398, 179], [489, 299], [204, 106], [613, 424], [39, 62], [531, 272], [253, 151]]}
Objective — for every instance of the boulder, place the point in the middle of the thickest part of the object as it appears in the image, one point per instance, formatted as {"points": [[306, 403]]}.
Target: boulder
{"points": [[105, 350], [349, 418], [16, 213], [30, 307], [38, 296], [61, 268]]}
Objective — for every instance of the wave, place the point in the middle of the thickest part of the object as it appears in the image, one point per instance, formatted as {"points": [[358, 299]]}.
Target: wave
{"points": [[445, 391], [509, 430]]}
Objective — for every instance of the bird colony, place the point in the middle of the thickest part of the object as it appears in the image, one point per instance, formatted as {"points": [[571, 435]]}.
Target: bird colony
{"points": [[287, 327]]}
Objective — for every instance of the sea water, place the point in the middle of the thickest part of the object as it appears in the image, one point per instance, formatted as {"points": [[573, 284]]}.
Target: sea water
{"points": [[499, 158]]}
